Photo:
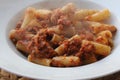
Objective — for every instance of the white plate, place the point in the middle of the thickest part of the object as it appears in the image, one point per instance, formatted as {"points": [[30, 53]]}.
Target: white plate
{"points": [[13, 61]]}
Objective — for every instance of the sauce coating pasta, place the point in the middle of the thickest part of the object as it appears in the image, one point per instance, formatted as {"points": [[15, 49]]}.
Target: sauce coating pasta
{"points": [[64, 37]]}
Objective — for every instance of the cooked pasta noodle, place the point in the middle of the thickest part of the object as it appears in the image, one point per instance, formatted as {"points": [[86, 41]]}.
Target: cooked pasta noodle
{"points": [[68, 61], [81, 14], [98, 48], [29, 15], [99, 16]]}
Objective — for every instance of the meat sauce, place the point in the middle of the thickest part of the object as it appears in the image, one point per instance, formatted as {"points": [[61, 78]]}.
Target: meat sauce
{"points": [[36, 39]]}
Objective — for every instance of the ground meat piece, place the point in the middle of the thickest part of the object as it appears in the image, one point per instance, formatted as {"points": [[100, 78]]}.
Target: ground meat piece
{"points": [[86, 54], [45, 23], [87, 35], [72, 47], [55, 16], [33, 30], [64, 20], [20, 34], [40, 45], [85, 50], [19, 24]]}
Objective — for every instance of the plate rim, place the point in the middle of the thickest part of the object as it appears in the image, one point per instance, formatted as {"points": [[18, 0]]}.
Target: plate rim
{"points": [[4, 67]]}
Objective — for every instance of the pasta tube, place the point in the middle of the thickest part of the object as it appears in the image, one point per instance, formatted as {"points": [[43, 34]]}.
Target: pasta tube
{"points": [[99, 16], [99, 48], [67, 9], [90, 58], [105, 37], [13, 35], [56, 38], [29, 15], [41, 61], [65, 61], [19, 35], [106, 34], [34, 23], [81, 14], [102, 40], [22, 46], [61, 49], [97, 27], [43, 14]]}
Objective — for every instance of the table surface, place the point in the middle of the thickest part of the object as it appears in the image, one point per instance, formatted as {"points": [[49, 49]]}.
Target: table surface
{"points": [[8, 76]]}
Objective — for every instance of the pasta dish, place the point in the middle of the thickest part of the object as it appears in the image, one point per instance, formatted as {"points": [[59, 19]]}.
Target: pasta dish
{"points": [[64, 37]]}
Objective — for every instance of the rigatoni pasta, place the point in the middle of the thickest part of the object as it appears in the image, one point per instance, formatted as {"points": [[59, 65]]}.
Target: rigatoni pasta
{"points": [[40, 61], [99, 16], [67, 9], [64, 37], [22, 46], [63, 61], [29, 15], [98, 48], [81, 14]]}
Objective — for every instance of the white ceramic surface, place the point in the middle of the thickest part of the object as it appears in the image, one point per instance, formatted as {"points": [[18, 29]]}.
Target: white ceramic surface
{"points": [[13, 61]]}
